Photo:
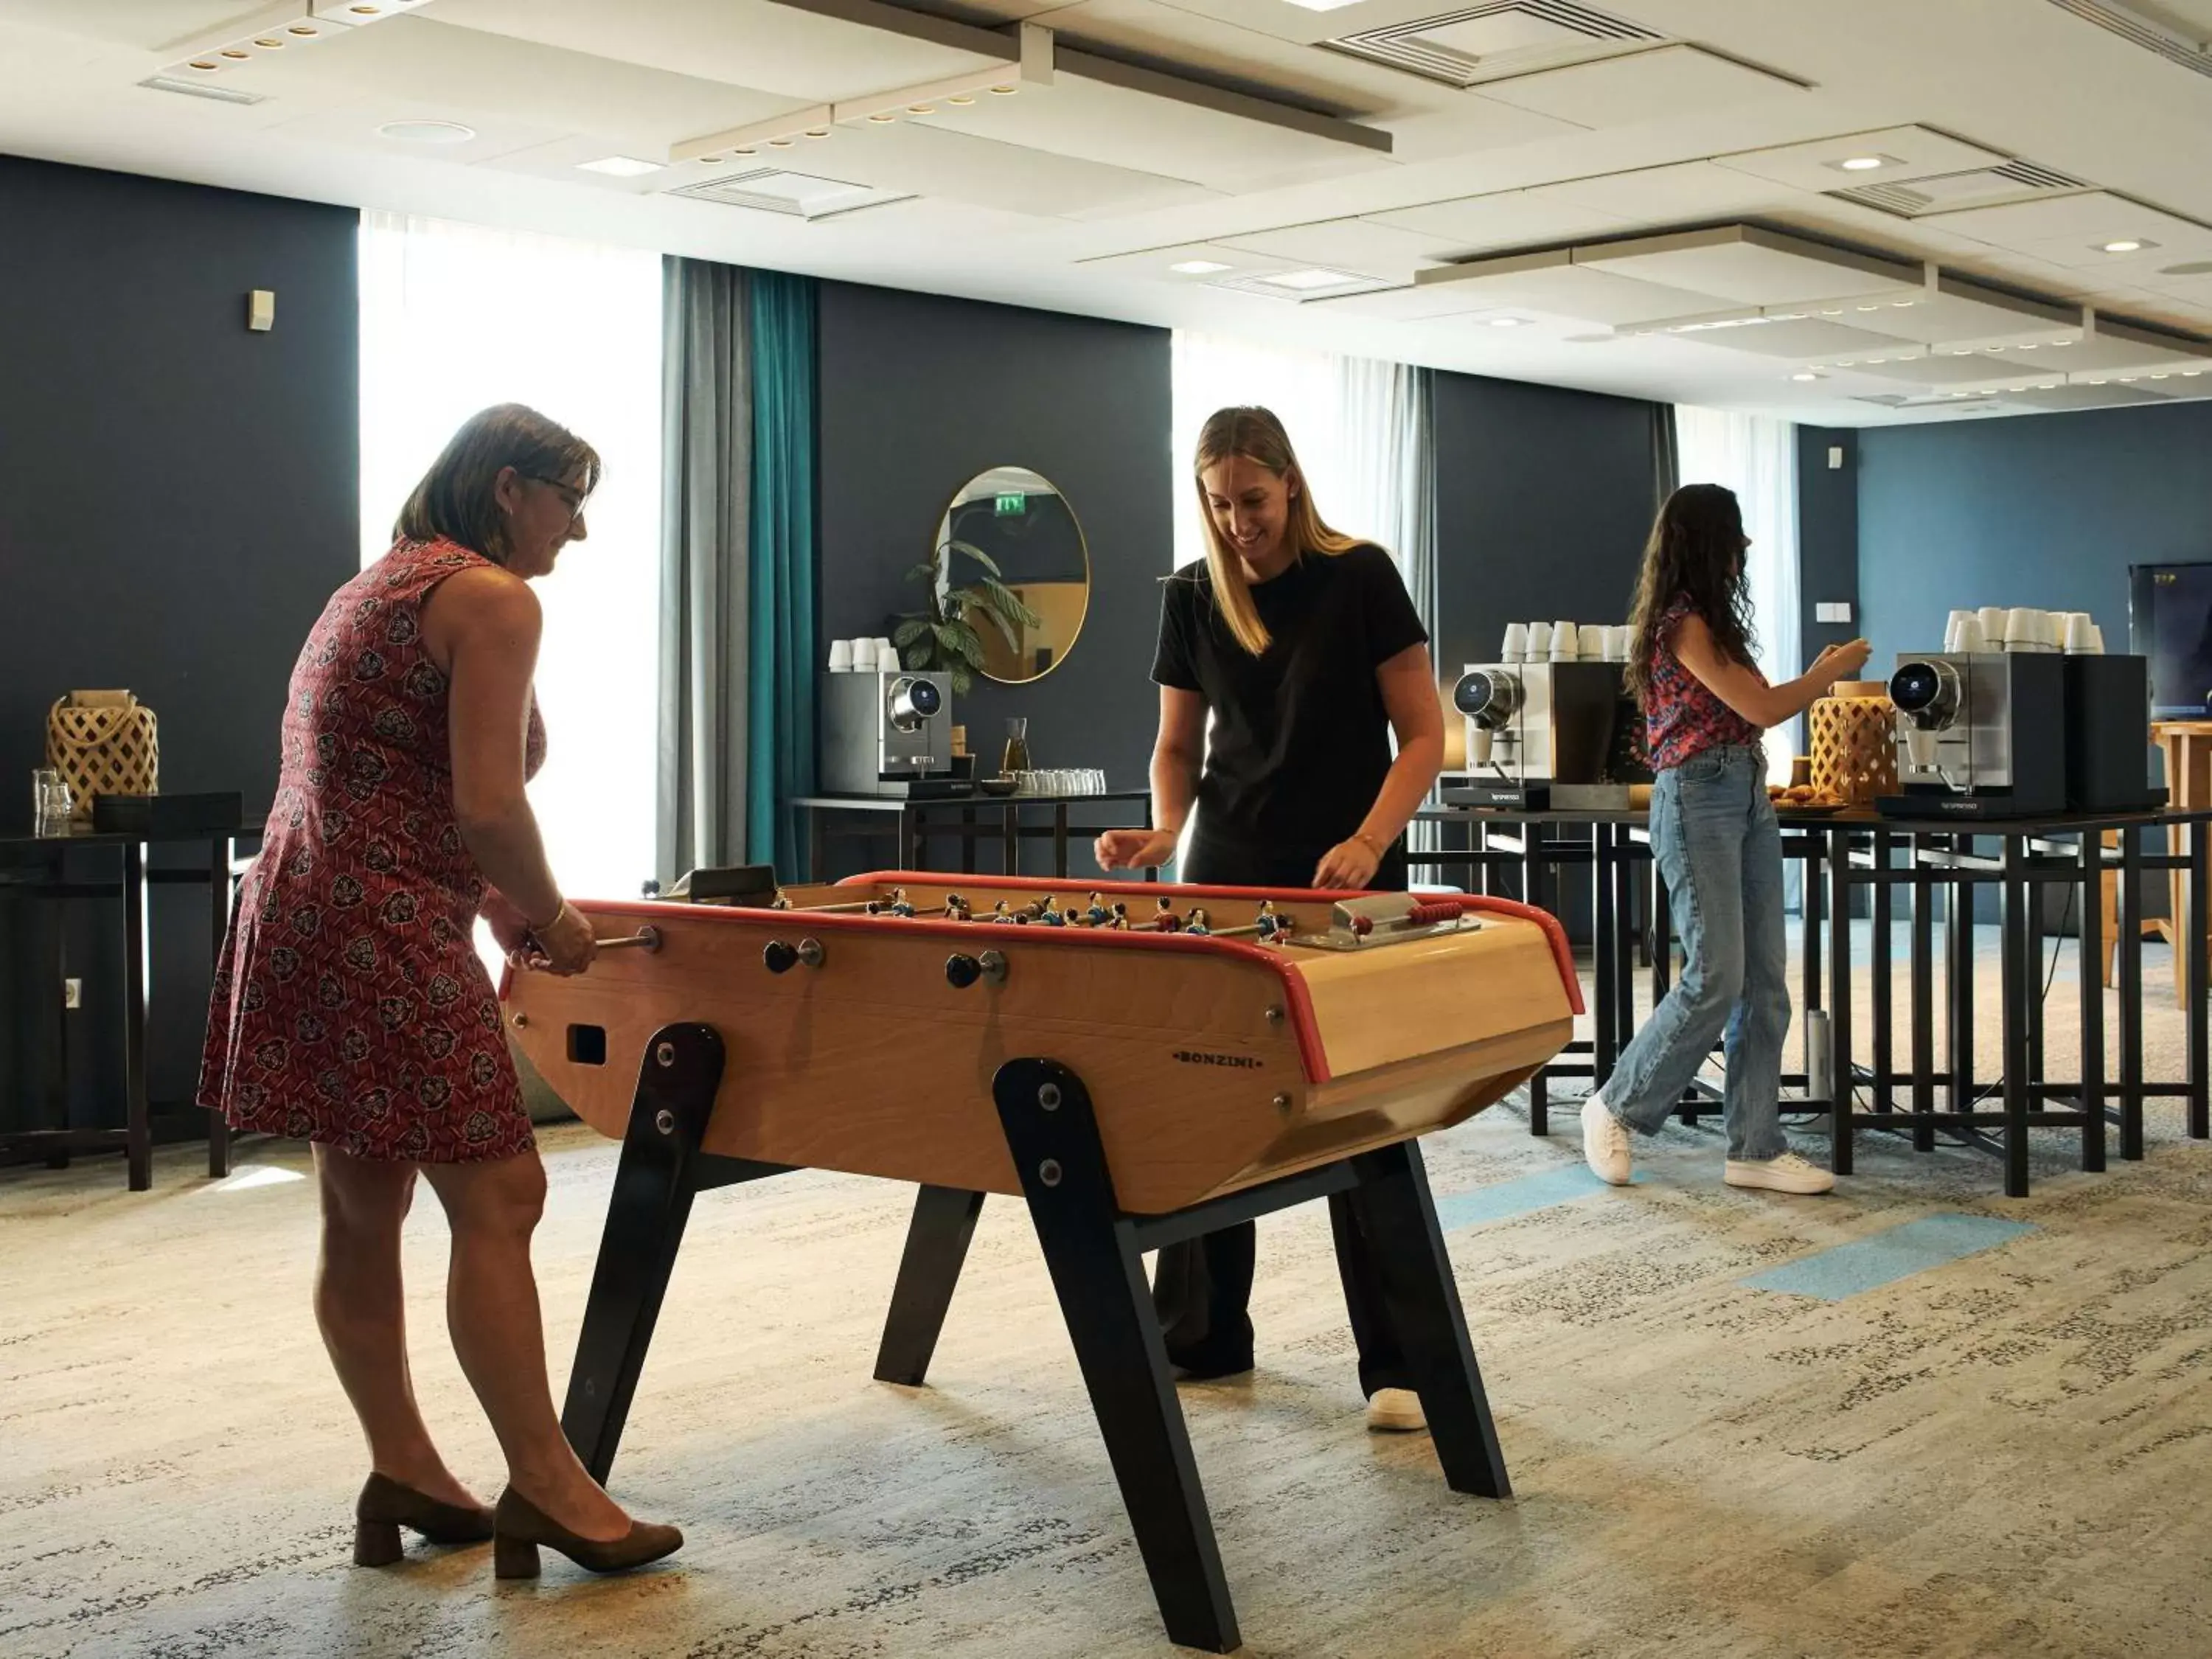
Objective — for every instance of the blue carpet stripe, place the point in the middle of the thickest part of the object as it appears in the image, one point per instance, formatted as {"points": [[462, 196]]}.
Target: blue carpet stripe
{"points": [[1511, 1198], [1902, 1251]]}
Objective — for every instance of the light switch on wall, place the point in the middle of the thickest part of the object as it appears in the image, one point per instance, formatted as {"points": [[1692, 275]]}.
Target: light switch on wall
{"points": [[1833, 610], [1835, 457], [261, 310]]}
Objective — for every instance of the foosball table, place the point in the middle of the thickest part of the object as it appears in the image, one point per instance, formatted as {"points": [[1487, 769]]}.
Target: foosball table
{"points": [[1142, 1064]]}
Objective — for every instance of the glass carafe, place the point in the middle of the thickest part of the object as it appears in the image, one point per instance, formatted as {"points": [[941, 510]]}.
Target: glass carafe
{"points": [[1016, 760]]}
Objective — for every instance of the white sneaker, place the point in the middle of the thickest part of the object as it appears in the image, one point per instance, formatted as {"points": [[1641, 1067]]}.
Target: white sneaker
{"points": [[1786, 1174], [1395, 1411], [1605, 1143]]}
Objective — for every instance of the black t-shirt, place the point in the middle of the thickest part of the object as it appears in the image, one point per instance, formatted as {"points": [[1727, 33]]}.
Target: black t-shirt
{"points": [[1301, 740]]}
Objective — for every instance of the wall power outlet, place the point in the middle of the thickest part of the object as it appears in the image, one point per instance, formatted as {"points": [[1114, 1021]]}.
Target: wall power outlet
{"points": [[72, 994]]}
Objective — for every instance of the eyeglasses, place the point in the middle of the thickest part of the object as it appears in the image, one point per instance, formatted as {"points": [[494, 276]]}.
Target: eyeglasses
{"points": [[572, 497]]}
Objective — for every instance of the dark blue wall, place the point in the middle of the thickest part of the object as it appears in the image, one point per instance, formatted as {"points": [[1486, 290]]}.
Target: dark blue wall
{"points": [[2045, 510], [1828, 536]]}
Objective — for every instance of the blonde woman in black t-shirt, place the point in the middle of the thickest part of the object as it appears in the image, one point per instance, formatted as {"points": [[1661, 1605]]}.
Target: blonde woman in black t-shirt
{"points": [[1303, 647]]}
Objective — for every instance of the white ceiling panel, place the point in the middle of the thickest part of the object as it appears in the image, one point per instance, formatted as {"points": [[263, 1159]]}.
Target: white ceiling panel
{"points": [[1378, 250], [1680, 190], [1554, 284], [2113, 348], [1745, 265], [747, 43], [1221, 151], [963, 167], [146, 25], [416, 60], [2052, 400], [1799, 339], [1903, 152], [2071, 230], [1954, 311], [1645, 86], [356, 124], [1510, 218]]}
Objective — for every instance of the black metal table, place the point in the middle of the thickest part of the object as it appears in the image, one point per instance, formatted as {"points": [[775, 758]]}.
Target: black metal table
{"points": [[1840, 852], [968, 819], [35, 867]]}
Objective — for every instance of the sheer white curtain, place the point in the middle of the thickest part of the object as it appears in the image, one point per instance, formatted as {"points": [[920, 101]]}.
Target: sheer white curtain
{"points": [[455, 318], [1757, 458]]}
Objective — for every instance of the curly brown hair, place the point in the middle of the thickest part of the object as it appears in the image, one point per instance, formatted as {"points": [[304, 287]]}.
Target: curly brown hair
{"points": [[1695, 553]]}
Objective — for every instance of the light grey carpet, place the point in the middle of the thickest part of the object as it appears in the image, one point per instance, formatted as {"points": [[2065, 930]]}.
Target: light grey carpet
{"points": [[2008, 1454]]}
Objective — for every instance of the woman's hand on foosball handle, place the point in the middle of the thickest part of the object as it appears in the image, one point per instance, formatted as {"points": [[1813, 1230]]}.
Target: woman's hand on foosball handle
{"points": [[565, 945], [1348, 863], [1134, 849]]}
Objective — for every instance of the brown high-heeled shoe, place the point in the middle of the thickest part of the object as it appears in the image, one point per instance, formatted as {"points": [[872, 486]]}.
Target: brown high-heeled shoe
{"points": [[519, 1527], [385, 1506]]}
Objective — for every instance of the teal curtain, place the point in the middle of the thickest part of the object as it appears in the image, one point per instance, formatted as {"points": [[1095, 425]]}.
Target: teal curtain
{"points": [[780, 670]]}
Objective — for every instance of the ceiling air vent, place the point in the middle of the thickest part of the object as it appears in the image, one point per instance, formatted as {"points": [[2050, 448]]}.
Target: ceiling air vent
{"points": [[802, 195], [2131, 26], [206, 89], [1947, 192], [1506, 37]]}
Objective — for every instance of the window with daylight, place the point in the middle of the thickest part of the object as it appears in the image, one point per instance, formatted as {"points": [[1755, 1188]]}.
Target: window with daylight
{"points": [[1757, 458], [454, 318]]}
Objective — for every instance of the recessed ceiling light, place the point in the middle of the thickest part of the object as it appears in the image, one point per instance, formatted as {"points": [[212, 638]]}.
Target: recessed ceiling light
{"points": [[206, 66], [1306, 281], [1863, 163], [427, 132], [882, 118], [922, 109], [1198, 267], [235, 55], [1005, 92], [2125, 244], [963, 99], [620, 167], [1808, 375], [305, 31], [1507, 322], [1322, 5], [818, 132]]}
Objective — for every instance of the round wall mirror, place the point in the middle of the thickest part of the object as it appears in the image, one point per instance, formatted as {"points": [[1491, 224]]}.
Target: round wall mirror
{"points": [[1009, 547]]}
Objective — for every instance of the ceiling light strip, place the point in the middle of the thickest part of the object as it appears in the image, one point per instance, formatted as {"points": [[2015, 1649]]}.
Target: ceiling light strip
{"points": [[2142, 31]]}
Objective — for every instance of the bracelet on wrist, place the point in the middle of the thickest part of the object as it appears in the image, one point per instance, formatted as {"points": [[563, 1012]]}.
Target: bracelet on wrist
{"points": [[540, 926]]}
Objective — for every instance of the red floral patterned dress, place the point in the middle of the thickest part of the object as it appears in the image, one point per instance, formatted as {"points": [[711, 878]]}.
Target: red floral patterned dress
{"points": [[351, 1005]]}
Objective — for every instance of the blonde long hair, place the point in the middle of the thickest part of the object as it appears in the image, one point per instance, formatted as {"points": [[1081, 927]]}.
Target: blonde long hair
{"points": [[1256, 435]]}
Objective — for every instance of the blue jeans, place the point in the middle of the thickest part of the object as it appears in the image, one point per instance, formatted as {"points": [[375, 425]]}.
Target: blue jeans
{"points": [[1714, 836]]}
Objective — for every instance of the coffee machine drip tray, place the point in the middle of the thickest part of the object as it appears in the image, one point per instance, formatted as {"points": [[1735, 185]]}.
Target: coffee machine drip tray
{"points": [[937, 786], [1953, 804], [1467, 790]]}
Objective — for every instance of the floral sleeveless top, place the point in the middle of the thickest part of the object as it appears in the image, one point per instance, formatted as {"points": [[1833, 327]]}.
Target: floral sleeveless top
{"points": [[1682, 717]]}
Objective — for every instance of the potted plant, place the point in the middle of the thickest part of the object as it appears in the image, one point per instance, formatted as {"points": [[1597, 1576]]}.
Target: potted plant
{"points": [[943, 637]]}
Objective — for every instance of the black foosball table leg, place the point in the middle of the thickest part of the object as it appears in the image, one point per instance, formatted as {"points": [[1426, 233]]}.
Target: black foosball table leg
{"points": [[654, 1185], [1398, 1220], [1098, 1273], [936, 1246]]}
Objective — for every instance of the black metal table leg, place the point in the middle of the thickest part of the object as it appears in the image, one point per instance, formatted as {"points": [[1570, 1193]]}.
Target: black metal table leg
{"points": [[1815, 905], [1959, 979], [1605, 1031], [936, 1246], [1060, 841], [1839, 1012], [138, 1143], [654, 1184], [1628, 938], [1924, 998], [1097, 1272], [2031, 953], [2197, 993], [219, 852], [2129, 991], [913, 846], [1540, 1086], [2092, 940], [1399, 1219], [966, 840], [1878, 912], [2016, 936]]}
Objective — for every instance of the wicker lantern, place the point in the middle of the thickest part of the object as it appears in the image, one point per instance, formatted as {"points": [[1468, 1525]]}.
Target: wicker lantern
{"points": [[1854, 743], [102, 743]]}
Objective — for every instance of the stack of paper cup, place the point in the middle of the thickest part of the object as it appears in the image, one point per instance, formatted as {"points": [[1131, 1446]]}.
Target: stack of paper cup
{"points": [[1565, 641], [840, 656], [1963, 636], [1539, 640]]}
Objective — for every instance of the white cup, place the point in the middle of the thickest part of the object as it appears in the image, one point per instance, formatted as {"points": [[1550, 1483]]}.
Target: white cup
{"points": [[1539, 640], [1968, 640], [887, 656], [2096, 640], [1565, 641], [2023, 632], [1516, 648], [840, 656], [1994, 620], [1624, 643], [864, 656], [1956, 617]]}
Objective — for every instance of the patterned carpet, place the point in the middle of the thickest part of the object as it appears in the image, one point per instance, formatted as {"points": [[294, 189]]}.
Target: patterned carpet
{"points": [[2006, 1453]]}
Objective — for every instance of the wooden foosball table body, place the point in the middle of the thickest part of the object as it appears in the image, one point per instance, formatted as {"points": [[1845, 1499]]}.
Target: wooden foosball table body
{"points": [[1136, 1081]]}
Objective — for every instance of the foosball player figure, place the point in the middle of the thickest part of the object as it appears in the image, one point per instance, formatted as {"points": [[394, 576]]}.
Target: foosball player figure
{"points": [[1164, 920], [999, 912], [1121, 918], [1197, 924], [956, 909], [1097, 915], [1052, 917], [1071, 917], [1267, 923], [901, 905]]}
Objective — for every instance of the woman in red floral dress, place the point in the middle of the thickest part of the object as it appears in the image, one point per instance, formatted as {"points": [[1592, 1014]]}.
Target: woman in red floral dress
{"points": [[351, 1009]]}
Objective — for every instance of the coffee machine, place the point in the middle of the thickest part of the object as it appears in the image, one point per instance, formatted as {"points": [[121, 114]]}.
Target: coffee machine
{"points": [[1538, 734], [888, 733], [1981, 736]]}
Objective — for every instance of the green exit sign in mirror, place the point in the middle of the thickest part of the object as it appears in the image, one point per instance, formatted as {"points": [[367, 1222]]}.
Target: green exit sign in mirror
{"points": [[1012, 504]]}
